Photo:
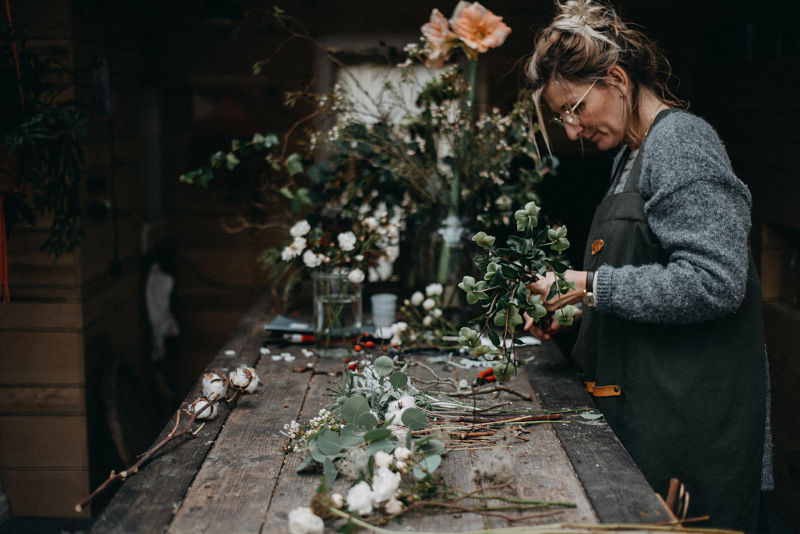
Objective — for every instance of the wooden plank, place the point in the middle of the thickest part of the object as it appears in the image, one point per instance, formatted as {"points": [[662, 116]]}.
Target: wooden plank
{"points": [[618, 491], [147, 502], [43, 441], [41, 315], [236, 482], [67, 400], [36, 357], [45, 493]]}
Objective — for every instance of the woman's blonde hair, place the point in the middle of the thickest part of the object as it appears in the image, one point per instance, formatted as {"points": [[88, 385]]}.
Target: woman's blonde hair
{"points": [[586, 39]]}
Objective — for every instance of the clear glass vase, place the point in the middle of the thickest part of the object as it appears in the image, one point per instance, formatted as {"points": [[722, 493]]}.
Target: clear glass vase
{"points": [[337, 313]]}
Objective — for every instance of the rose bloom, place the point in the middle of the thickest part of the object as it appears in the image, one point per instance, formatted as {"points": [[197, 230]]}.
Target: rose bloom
{"points": [[356, 276], [300, 228], [439, 39], [478, 28]]}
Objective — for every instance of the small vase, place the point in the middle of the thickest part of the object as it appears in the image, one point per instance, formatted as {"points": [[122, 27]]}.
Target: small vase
{"points": [[337, 313]]}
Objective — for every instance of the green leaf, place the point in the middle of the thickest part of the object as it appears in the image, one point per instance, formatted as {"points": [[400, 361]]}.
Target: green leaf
{"points": [[231, 161], [376, 434], [591, 416], [217, 159], [398, 380], [329, 471], [294, 164], [329, 443], [316, 454], [385, 445], [493, 337], [432, 446], [366, 420], [384, 365], [350, 436], [354, 407], [415, 419]]}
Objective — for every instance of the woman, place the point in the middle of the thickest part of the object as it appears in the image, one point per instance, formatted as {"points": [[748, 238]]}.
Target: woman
{"points": [[671, 338]]}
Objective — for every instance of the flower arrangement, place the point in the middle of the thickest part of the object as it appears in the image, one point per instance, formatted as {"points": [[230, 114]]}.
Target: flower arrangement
{"points": [[423, 319]]}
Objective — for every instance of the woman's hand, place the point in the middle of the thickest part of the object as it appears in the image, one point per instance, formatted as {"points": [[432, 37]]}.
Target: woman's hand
{"points": [[542, 287], [544, 331]]}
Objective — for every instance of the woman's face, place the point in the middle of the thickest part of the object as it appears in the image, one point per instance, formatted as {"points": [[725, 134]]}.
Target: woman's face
{"points": [[598, 117]]}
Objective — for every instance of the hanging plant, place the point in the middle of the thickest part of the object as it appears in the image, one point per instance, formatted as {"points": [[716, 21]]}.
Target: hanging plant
{"points": [[40, 159]]}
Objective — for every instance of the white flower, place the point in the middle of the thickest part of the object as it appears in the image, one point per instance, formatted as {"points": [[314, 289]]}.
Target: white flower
{"points": [[359, 498], [427, 320], [384, 484], [392, 252], [401, 453], [300, 228], [303, 521], [436, 313], [204, 408], [371, 223], [399, 327], [298, 245], [337, 499], [401, 466], [214, 386], [417, 298], [428, 304], [347, 241], [356, 276], [433, 289], [244, 378], [382, 459], [382, 270], [287, 253], [311, 260], [394, 506]]}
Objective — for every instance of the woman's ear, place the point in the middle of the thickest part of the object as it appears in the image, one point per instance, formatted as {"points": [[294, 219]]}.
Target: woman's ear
{"points": [[618, 78]]}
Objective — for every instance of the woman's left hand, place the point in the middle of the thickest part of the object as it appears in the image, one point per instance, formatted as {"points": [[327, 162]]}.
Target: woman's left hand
{"points": [[542, 287]]}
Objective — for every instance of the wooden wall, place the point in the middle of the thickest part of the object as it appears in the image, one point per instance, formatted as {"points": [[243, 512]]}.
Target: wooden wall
{"points": [[50, 414]]}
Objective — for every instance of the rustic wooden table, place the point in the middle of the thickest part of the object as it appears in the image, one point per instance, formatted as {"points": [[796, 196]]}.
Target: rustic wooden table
{"points": [[235, 477]]}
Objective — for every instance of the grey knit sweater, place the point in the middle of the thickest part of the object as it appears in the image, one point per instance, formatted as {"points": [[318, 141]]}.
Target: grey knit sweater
{"points": [[700, 213]]}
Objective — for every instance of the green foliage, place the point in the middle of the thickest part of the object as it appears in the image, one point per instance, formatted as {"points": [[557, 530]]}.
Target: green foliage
{"points": [[40, 137]]}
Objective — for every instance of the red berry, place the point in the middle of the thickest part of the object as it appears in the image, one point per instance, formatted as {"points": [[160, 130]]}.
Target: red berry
{"points": [[357, 348], [369, 344]]}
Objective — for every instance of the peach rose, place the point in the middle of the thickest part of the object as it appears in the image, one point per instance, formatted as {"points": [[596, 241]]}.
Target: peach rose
{"points": [[439, 39], [478, 28]]}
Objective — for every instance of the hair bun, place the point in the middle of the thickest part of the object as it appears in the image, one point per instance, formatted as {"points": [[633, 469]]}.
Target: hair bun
{"points": [[585, 17]]}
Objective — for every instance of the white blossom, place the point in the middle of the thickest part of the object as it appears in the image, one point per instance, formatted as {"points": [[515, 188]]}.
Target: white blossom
{"points": [[347, 241], [214, 386], [427, 320], [337, 499], [356, 276], [359, 498], [382, 459], [394, 506], [204, 408], [399, 327], [432, 290], [300, 228], [303, 521], [311, 259], [384, 484], [436, 313], [417, 298], [428, 304], [287, 253], [371, 223]]}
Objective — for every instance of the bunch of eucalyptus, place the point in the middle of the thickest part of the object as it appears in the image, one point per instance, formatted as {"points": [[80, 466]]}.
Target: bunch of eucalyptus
{"points": [[529, 253]]}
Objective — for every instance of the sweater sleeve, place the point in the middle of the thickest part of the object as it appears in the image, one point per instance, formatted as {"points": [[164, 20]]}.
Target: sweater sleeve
{"points": [[700, 213]]}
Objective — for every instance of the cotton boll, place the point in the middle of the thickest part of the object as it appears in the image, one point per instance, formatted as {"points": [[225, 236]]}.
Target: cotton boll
{"points": [[394, 506], [244, 378], [303, 521], [401, 453], [382, 459], [214, 386], [356, 276], [384, 484], [204, 408], [338, 500], [359, 498]]}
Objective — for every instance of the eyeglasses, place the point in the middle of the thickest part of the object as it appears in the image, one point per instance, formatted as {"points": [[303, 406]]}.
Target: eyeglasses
{"points": [[571, 116]]}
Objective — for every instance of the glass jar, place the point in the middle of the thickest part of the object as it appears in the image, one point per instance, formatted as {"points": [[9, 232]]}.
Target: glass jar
{"points": [[337, 313]]}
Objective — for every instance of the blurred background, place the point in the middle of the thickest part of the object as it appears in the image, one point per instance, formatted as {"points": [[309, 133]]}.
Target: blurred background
{"points": [[166, 83]]}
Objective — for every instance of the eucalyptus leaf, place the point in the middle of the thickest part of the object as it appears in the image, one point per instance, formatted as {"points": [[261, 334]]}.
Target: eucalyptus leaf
{"points": [[329, 472], [329, 443], [398, 380], [353, 407], [385, 445], [383, 365], [415, 419], [367, 420], [376, 434], [294, 164]]}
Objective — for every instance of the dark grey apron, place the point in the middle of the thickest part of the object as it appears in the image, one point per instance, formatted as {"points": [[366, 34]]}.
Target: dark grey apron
{"points": [[692, 402]]}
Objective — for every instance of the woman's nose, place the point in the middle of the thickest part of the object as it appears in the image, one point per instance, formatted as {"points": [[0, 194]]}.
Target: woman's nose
{"points": [[573, 132]]}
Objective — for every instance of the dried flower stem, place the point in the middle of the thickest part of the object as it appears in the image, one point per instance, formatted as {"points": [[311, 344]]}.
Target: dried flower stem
{"points": [[132, 470]]}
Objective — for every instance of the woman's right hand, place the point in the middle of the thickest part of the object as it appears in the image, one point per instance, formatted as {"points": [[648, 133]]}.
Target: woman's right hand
{"points": [[537, 330]]}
